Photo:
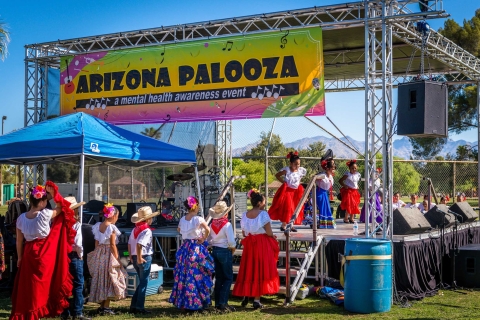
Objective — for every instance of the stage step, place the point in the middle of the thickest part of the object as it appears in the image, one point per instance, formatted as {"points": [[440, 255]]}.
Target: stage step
{"points": [[282, 254], [281, 271]]}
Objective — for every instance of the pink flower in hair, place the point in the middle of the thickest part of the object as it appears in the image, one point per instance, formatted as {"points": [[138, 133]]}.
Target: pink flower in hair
{"points": [[192, 203], [108, 210], [38, 192], [249, 194]]}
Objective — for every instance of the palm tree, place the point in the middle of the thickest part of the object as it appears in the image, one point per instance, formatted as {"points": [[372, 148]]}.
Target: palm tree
{"points": [[4, 40], [152, 132]]}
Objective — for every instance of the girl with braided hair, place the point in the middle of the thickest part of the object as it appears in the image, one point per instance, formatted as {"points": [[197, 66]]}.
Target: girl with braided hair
{"points": [[290, 193]]}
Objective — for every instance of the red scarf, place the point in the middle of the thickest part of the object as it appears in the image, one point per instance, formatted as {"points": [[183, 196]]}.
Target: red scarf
{"points": [[217, 224], [139, 227]]}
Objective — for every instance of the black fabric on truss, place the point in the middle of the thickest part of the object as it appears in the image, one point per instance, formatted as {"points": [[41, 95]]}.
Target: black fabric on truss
{"points": [[417, 263]]}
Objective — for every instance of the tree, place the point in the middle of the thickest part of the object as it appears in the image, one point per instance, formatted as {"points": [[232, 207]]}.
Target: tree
{"points": [[276, 148], [406, 179], [254, 172], [462, 101], [152, 132], [4, 40], [62, 173], [427, 148]]}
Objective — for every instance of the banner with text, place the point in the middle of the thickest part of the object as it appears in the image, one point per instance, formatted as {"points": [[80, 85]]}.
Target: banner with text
{"points": [[276, 74]]}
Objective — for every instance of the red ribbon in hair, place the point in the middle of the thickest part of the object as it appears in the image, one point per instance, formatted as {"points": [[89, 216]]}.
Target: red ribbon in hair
{"points": [[291, 153], [324, 164], [349, 163]]}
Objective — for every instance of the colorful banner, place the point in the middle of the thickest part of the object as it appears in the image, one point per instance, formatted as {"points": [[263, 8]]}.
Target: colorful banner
{"points": [[275, 74]]}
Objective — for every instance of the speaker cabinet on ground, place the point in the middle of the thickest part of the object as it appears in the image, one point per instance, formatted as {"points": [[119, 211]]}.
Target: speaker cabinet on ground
{"points": [[465, 210], [409, 221], [422, 109], [132, 207], [437, 219], [467, 269]]}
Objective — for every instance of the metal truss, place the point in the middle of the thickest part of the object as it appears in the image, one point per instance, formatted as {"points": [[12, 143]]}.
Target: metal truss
{"points": [[36, 85], [378, 113], [224, 149], [439, 48]]}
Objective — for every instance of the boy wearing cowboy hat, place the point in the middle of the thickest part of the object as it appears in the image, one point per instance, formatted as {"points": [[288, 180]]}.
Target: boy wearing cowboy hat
{"points": [[222, 240], [76, 266], [140, 249]]}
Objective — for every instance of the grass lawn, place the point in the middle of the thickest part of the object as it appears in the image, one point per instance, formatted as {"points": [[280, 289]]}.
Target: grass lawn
{"points": [[446, 305]]}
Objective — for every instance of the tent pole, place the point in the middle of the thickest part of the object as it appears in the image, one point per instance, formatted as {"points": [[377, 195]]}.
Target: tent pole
{"points": [[80, 185], [198, 190], [108, 184], [131, 181]]}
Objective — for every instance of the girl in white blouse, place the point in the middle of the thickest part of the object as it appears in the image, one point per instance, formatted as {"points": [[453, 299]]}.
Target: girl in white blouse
{"points": [[194, 265], [289, 194], [108, 275], [349, 192], [258, 274]]}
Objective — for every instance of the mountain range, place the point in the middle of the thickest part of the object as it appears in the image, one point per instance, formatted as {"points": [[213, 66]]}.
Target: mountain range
{"points": [[401, 147]]}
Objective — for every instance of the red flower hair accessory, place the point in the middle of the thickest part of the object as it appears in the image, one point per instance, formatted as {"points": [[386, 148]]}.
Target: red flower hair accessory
{"points": [[324, 164], [292, 153], [38, 192], [108, 210], [379, 170], [349, 163], [249, 194]]}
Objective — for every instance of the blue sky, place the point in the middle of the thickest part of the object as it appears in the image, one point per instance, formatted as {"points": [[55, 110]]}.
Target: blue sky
{"points": [[41, 21]]}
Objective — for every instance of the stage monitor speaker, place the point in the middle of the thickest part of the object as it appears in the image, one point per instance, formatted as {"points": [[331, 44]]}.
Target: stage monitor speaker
{"points": [[465, 210], [132, 207], [422, 109], [467, 271], [436, 219], [409, 221]]}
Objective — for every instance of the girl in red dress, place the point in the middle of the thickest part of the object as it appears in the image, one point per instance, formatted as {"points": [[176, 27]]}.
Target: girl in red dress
{"points": [[349, 192], [289, 194], [258, 274], [43, 282]]}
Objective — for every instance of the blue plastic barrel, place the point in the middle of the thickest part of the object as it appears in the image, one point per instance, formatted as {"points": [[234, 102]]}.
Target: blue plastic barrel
{"points": [[368, 275]]}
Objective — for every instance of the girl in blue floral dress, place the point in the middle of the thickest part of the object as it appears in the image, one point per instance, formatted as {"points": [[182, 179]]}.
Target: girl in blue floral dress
{"points": [[194, 265]]}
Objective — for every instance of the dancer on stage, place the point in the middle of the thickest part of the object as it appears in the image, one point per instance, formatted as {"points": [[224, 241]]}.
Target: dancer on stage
{"points": [[377, 198], [349, 192], [43, 282], [108, 275], [258, 274], [289, 194], [222, 240], [194, 267], [326, 220]]}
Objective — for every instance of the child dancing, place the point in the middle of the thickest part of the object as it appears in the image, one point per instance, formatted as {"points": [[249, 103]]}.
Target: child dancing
{"points": [[349, 192], [194, 265], [324, 186]]}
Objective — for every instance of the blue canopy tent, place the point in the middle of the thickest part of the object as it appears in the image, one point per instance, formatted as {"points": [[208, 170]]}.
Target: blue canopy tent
{"points": [[79, 138]]}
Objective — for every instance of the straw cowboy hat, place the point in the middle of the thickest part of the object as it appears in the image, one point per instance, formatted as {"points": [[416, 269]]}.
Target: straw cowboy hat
{"points": [[74, 205], [144, 213], [219, 210]]}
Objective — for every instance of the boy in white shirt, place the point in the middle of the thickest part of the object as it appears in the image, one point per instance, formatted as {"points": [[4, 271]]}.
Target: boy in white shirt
{"points": [[222, 240], [140, 249]]}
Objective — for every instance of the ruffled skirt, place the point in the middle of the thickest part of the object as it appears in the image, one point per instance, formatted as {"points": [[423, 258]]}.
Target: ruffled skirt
{"points": [[350, 200], [326, 220], [284, 204], [43, 282], [378, 207], [193, 276], [108, 275], [258, 273]]}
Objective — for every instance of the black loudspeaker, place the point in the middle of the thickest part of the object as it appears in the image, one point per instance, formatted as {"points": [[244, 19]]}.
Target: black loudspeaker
{"points": [[436, 219], [465, 210], [409, 221], [467, 270], [132, 207], [422, 109]]}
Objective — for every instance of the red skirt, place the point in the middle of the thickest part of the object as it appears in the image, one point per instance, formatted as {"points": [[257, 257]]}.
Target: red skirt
{"points": [[284, 204], [258, 274], [350, 200], [43, 282]]}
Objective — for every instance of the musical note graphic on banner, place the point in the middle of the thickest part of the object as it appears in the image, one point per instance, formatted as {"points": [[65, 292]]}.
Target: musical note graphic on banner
{"points": [[87, 106], [255, 94], [277, 94], [96, 104], [229, 43], [284, 40], [99, 104], [105, 104], [168, 118], [261, 95], [106, 116]]}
